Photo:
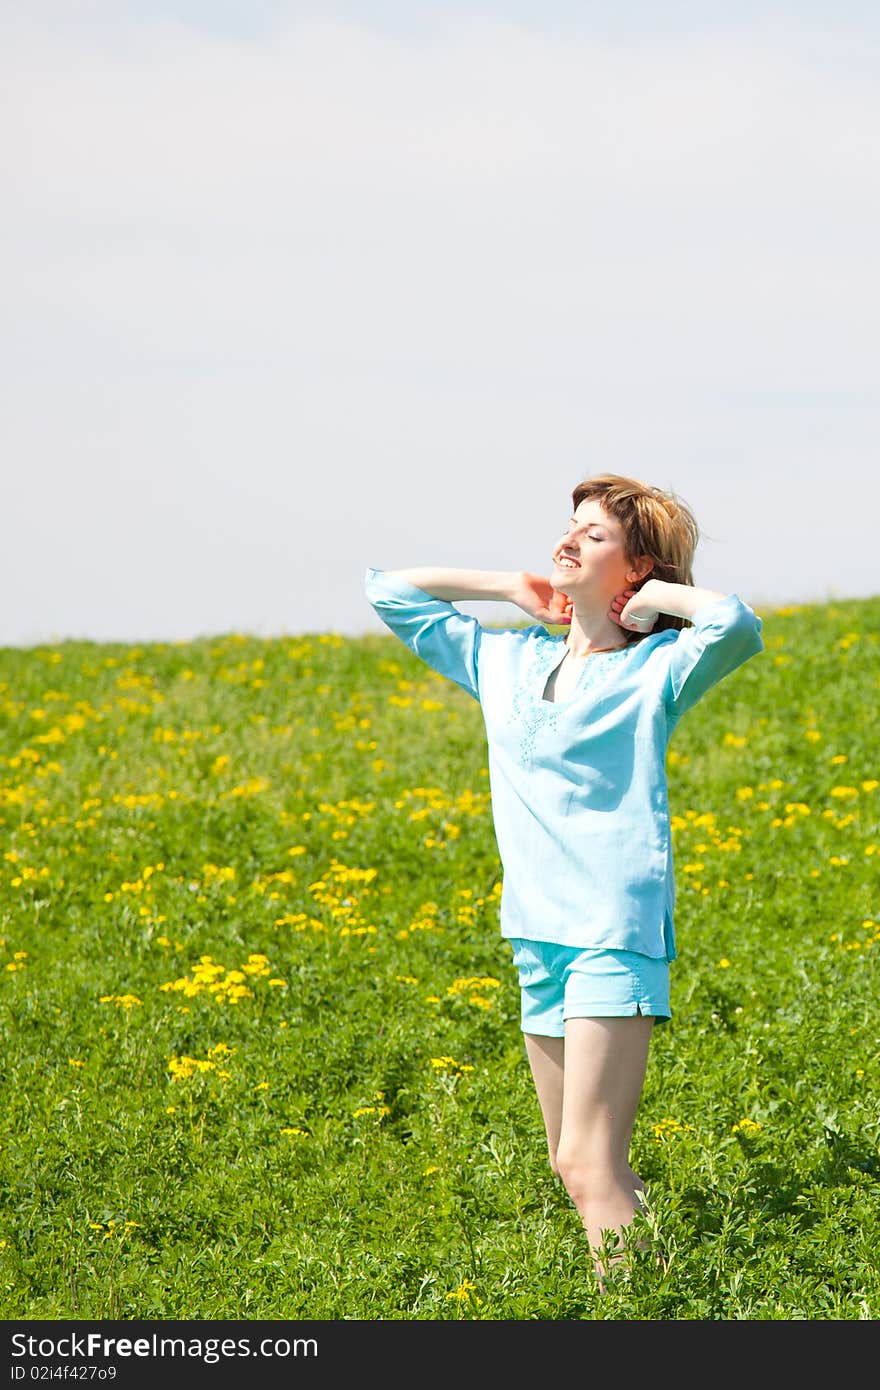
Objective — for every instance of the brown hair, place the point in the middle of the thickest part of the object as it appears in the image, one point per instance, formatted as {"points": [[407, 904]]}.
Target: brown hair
{"points": [[654, 523]]}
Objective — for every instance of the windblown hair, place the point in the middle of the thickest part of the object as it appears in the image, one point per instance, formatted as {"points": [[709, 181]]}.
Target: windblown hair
{"points": [[654, 523]]}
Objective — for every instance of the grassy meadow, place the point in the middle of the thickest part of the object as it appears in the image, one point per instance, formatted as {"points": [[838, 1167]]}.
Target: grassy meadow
{"points": [[261, 1055]]}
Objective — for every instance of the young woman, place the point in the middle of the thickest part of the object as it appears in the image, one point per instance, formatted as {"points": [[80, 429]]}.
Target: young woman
{"points": [[577, 726]]}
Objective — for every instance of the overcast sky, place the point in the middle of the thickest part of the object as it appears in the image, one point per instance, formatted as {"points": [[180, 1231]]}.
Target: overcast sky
{"points": [[293, 289]]}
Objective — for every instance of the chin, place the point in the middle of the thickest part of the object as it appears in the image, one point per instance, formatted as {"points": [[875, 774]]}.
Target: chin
{"points": [[558, 587], [564, 580]]}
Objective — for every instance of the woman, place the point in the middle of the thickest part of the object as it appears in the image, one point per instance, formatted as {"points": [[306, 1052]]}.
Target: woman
{"points": [[577, 727]]}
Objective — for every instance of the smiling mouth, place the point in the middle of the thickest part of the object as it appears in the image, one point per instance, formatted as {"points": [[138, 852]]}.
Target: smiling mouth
{"points": [[565, 562]]}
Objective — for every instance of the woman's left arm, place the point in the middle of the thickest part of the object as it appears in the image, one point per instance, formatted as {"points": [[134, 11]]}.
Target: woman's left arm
{"points": [[660, 596], [724, 633]]}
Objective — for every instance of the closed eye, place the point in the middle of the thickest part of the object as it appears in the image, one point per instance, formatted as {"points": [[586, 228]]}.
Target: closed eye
{"points": [[573, 527]]}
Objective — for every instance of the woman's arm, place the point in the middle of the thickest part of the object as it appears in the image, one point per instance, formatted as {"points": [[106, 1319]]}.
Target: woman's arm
{"points": [[453, 585], [660, 596], [530, 592], [683, 600], [724, 633]]}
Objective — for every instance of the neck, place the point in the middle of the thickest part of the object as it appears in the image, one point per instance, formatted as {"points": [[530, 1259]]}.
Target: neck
{"points": [[591, 632]]}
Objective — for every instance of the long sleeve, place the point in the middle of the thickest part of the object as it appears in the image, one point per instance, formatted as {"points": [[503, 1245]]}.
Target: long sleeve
{"points": [[439, 634], [725, 634]]}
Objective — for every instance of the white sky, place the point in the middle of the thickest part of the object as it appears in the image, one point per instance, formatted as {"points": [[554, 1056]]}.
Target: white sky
{"points": [[294, 289]]}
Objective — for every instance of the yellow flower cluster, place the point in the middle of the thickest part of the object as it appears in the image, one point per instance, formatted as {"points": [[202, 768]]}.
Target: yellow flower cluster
{"points": [[113, 1228], [873, 936], [222, 873], [300, 921], [139, 884], [449, 1067], [474, 987], [465, 1292], [334, 892], [225, 986], [130, 800], [26, 872], [342, 815], [664, 1128], [426, 921], [746, 1126], [252, 787], [182, 1068], [434, 799]]}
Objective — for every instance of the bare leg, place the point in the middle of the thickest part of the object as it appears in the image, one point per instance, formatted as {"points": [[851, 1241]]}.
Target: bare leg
{"points": [[589, 1086], [605, 1064], [547, 1061]]}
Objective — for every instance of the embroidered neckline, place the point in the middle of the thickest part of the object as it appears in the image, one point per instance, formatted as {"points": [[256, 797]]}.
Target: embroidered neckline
{"points": [[556, 645], [539, 718]]}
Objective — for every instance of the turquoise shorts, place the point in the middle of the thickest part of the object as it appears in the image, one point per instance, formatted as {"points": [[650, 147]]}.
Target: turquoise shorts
{"points": [[560, 982]]}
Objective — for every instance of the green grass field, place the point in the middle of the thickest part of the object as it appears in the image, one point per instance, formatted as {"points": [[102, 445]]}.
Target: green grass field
{"points": [[261, 1054]]}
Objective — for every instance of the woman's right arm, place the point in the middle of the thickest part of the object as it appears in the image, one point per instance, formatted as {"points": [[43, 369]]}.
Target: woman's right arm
{"points": [[416, 604], [453, 585], [530, 592]]}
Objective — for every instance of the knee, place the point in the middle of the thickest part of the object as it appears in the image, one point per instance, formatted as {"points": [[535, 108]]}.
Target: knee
{"points": [[583, 1178], [573, 1172]]}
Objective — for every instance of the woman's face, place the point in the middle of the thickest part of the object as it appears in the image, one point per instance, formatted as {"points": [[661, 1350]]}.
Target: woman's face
{"points": [[590, 559]]}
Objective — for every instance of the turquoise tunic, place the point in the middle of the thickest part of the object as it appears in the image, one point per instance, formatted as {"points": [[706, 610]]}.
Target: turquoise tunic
{"points": [[578, 787]]}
